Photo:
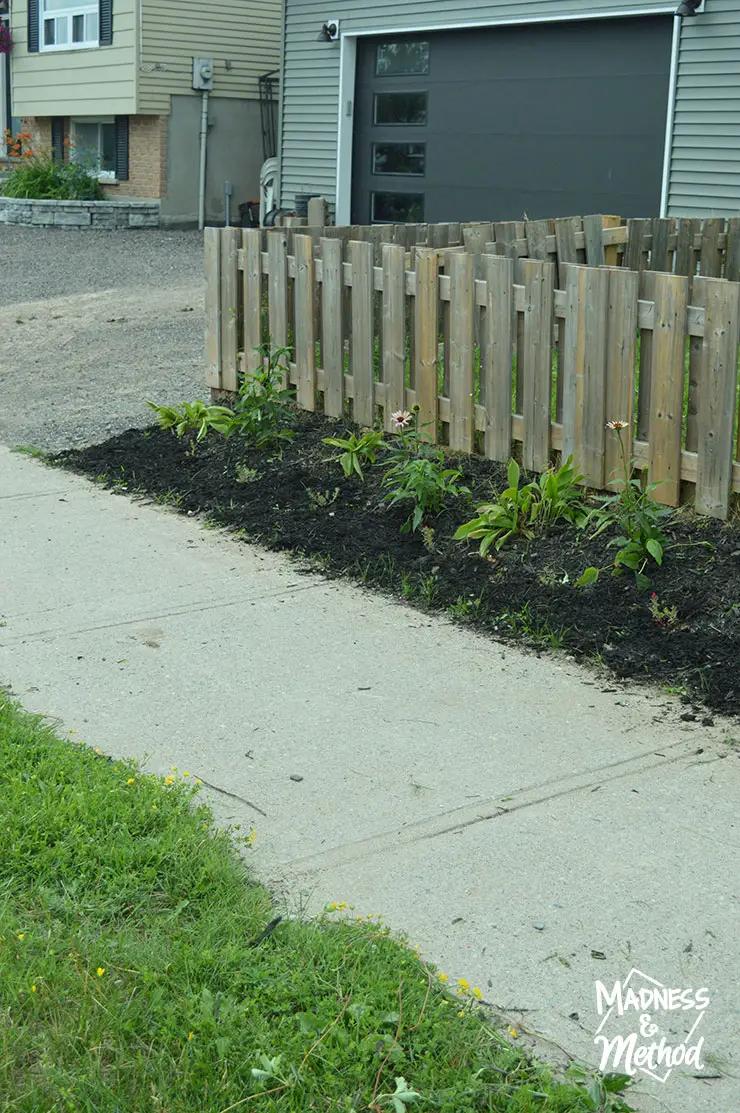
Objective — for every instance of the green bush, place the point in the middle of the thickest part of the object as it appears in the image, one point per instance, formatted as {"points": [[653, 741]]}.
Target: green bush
{"points": [[40, 178]]}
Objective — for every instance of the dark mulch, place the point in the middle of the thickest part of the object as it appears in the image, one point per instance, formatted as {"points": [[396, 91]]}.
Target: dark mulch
{"points": [[525, 591]]}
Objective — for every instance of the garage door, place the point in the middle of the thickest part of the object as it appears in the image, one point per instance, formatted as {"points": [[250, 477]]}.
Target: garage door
{"points": [[546, 120]]}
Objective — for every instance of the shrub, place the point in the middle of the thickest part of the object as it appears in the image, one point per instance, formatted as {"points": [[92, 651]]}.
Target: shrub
{"points": [[40, 178]]}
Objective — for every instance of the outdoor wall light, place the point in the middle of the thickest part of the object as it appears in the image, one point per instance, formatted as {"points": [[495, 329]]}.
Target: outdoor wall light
{"points": [[329, 33], [690, 7]]}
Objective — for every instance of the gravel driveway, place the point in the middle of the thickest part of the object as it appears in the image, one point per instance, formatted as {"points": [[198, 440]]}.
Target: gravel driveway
{"points": [[92, 324]]}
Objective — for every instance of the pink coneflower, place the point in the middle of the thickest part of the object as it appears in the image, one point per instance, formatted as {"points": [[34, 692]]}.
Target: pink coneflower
{"points": [[616, 425], [401, 419]]}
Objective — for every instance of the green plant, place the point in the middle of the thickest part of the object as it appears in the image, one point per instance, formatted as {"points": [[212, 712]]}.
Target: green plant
{"points": [[661, 613], [637, 517], [245, 474], [428, 588], [356, 450], [463, 610], [423, 481], [512, 514], [319, 500], [42, 178], [262, 411], [194, 419], [559, 494]]}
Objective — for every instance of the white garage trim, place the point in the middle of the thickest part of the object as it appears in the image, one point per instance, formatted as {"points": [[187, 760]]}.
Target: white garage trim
{"points": [[347, 78], [670, 116]]}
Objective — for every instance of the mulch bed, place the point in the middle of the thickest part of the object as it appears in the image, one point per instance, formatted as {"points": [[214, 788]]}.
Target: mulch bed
{"points": [[527, 591]]}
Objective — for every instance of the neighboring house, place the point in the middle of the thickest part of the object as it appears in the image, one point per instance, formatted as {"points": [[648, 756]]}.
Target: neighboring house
{"points": [[447, 110], [115, 78]]}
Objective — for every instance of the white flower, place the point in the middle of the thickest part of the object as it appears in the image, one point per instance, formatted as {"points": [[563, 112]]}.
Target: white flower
{"points": [[616, 425], [401, 418]]}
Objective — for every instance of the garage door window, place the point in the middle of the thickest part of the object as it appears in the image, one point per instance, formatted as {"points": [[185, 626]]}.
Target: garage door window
{"points": [[396, 58], [397, 208], [400, 108], [399, 158]]}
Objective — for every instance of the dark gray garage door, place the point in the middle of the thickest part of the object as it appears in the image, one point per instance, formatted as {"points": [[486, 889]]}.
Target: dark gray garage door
{"points": [[548, 120]]}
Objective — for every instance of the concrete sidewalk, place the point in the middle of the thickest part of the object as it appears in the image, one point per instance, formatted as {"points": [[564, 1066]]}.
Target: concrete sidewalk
{"points": [[514, 815]]}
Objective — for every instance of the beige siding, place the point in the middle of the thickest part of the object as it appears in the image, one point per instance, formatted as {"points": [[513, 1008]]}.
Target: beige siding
{"points": [[100, 81], [242, 37]]}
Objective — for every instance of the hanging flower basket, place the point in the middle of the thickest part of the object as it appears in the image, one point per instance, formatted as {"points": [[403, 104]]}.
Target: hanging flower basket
{"points": [[6, 39]]}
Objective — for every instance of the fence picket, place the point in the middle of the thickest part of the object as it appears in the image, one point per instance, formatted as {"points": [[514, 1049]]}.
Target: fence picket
{"points": [[213, 311], [621, 344], [277, 287], [332, 327], [732, 251], [426, 335], [394, 335], [710, 257], [647, 293], [230, 300], [305, 335], [593, 229], [636, 253], [688, 227], [584, 372], [497, 366], [252, 300], [461, 351], [363, 347], [534, 360], [661, 255], [717, 394], [667, 381]]}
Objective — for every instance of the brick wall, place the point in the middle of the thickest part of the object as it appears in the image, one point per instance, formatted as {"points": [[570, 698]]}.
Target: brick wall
{"points": [[147, 159], [39, 128]]}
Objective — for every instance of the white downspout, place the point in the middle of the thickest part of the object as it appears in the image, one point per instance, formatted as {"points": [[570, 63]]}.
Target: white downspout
{"points": [[671, 116], [203, 146]]}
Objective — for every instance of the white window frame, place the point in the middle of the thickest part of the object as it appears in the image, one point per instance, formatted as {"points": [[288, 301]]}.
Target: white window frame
{"points": [[101, 175], [84, 8], [348, 66]]}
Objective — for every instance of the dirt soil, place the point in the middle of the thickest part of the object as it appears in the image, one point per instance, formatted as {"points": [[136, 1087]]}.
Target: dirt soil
{"points": [[525, 591]]}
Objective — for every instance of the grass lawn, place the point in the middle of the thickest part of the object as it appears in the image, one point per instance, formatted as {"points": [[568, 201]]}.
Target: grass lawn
{"points": [[131, 982]]}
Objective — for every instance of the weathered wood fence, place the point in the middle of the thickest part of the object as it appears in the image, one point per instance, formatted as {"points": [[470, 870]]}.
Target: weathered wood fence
{"points": [[494, 350], [680, 245]]}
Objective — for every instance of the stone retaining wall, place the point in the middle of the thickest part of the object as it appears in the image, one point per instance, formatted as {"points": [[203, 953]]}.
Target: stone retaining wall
{"points": [[80, 214]]}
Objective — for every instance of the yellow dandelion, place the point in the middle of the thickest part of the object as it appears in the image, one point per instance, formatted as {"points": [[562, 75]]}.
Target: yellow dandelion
{"points": [[512, 1032], [463, 983], [461, 1013], [154, 807], [169, 780], [115, 768], [101, 971], [185, 773], [442, 977], [190, 1035], [460, 993], [173, 769], [477, 992], [96, 749], [130, 781], [204, 826], [33, 989], [21, 934]]}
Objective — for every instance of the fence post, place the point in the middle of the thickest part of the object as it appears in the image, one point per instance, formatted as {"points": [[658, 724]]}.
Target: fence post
{"points": [[305, 336], [667, 381], [332, 330], [584, 371], [363, 349], [426, 340], [462, 398], [252, 300], [229, 308], [717, 394], [499, 343], [534, 360], [212, 267]]}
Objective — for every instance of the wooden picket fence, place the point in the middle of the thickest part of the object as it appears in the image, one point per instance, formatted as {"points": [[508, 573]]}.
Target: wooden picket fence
{"points": [[494, 351], [680, 245]]}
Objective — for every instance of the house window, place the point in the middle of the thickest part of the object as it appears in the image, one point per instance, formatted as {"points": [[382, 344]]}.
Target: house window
{"points": [[402, 58], [400, 108], [68, 24], [399, 158], [94, 145], [397, 208]]}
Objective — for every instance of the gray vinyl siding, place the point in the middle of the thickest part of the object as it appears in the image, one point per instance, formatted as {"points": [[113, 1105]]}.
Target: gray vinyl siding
{"points": [[309, 107], [705, 159]]}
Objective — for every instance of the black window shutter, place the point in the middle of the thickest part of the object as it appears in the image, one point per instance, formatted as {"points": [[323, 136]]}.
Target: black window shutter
{"points": [[57, 138], [33, 26], [122, 148], [106, 22]]}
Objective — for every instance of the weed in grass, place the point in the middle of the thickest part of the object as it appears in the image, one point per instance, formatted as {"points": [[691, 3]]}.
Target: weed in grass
{"points": [[465, 610], [245, 474], [133, 977], [319, 500], [522, 622], [661, 613], [428, 588], [408, 588], [29, 450]]}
